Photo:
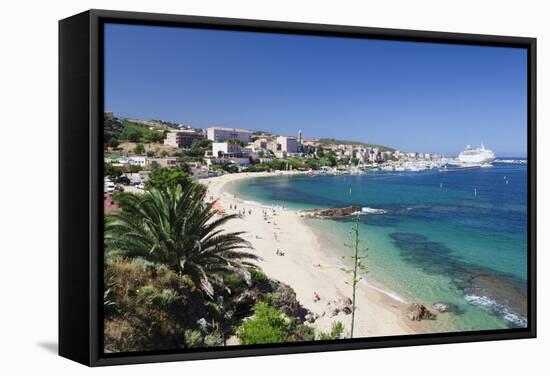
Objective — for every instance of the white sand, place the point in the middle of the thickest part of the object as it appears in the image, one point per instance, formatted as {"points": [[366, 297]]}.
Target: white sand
{"points": [[377, 314]]}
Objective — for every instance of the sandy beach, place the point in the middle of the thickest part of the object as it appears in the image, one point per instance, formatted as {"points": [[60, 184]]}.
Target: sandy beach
{"points": [[306, 267]]}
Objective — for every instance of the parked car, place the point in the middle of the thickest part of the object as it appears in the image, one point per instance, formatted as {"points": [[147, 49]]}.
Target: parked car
{"points": [[108, 187], [141, 186]]}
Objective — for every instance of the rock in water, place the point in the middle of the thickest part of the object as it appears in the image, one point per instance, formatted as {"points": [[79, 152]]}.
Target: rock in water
{"points": [[418, 312], [335, 212], [441, 307]]}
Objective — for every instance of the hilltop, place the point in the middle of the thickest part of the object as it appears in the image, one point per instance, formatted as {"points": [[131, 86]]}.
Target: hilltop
{"points": [[334, 141]]}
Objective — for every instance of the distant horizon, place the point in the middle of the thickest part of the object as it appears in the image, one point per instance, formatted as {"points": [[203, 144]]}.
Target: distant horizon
{"points": [[396, 94]]}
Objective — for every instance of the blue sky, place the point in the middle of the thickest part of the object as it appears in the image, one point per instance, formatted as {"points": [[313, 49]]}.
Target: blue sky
{"points": [[412, 96]]}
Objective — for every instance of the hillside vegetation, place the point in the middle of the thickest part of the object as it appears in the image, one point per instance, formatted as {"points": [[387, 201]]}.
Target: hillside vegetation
{"points": [[118, 131]]}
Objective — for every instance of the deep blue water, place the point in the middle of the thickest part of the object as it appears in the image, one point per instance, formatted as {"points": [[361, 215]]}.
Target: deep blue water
{"points": [[457, 237]]}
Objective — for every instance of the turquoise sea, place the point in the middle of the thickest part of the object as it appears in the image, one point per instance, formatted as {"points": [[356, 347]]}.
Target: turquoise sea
{"points": [[457, 237]]}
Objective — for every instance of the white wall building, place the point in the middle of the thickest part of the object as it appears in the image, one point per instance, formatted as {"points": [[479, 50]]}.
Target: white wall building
{"points": [[288, 144], [221, 148], [230, 160], [137, 161], [220, 134]]}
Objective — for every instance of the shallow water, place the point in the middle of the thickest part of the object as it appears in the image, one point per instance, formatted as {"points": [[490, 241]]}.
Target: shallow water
{"points": [[456, 237]]}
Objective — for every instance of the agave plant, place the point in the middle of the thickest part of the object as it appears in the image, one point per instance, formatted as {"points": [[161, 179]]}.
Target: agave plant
{"points": [[175, 227]]}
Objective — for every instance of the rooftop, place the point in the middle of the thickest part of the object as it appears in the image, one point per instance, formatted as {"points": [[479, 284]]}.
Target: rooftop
{"points": [[231, 129]]}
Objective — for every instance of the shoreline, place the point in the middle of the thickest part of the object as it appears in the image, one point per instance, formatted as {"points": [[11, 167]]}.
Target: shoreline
{"points": [[314, 271]]}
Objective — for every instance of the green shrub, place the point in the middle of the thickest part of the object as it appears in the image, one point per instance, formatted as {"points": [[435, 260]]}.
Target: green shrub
{"points": [[154, 308], [145, 265], [234, 283], [193, 338], [303, 332], [269, 325], [113, 255], [257, 275], [146, 294], [162, 178], [336, 331], [231, 168], [213, 339], [166, 297]]}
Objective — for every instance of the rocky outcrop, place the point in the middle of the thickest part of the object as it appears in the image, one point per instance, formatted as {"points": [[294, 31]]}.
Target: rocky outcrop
{"points": [[280, 296], [333, 212], [334, 307], [284, 298], [418, 312], [311, 317]]}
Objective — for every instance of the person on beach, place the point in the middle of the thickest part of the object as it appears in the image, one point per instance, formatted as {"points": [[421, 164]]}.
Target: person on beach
{"points": [[316, 297]]}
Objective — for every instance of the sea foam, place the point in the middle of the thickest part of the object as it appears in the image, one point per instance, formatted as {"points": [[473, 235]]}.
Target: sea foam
{"points": [[367, 210], [493, 306]]}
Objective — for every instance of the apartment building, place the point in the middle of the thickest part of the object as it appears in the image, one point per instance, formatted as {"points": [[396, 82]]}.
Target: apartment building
{"points": [[182, 138], [220, 134]]}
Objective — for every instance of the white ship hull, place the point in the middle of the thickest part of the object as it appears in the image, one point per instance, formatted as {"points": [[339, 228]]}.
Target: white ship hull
{"points": [[476, 156]]}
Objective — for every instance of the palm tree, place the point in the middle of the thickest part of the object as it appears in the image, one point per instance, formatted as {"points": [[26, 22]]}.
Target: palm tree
{"points": [[174, 226]]}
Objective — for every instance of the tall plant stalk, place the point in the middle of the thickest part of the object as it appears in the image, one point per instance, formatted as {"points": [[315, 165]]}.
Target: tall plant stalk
{"points": [[359, 269]]}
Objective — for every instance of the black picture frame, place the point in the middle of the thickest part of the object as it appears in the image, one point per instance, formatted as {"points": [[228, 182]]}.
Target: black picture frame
{"points": [[80, 186]]}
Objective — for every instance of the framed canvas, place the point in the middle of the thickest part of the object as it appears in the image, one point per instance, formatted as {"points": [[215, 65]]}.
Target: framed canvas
{"points": [[234, 187]]}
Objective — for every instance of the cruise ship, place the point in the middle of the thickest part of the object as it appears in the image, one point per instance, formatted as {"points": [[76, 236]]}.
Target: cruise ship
{"points": [[476, 156]]}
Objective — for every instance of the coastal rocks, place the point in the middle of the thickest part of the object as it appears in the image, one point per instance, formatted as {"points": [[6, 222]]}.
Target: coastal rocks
{"points": [[280, 296], [418, 312], [311, 317], [284, 298], [334, 212], [334, 307]]}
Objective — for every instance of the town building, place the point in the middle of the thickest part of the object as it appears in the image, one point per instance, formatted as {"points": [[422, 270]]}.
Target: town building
{"points": [[259, 145], [273, 146], [228, 160], [137, 161], [386, 156], [169, 162], [220, 134], [220, 149], [227, 153], [288, 144], [265, 160], [182, 138]]}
